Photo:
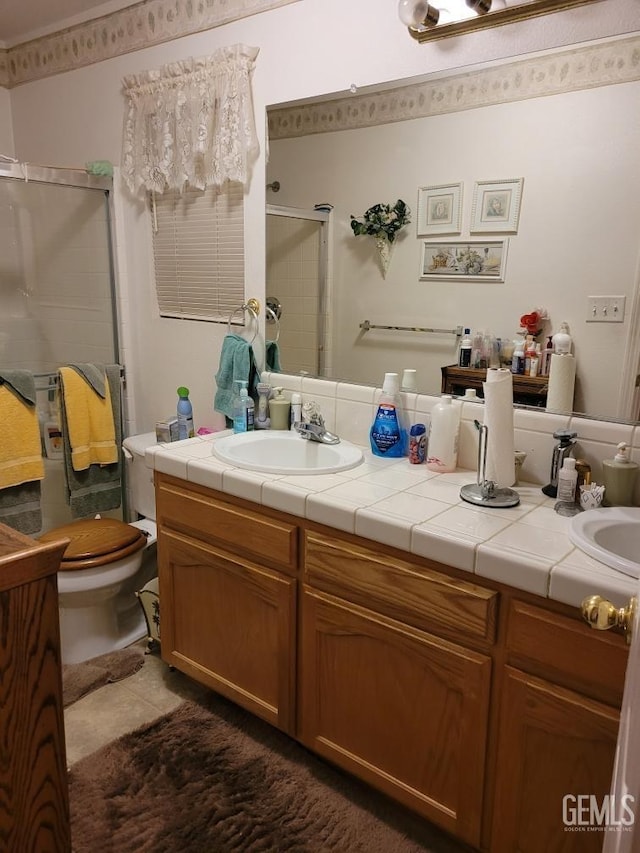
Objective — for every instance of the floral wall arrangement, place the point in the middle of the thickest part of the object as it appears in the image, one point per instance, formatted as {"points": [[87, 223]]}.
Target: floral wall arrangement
{"points": [[382, 221]]}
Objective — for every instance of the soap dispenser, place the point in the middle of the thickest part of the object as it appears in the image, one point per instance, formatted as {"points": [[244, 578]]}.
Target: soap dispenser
{"points": [[619, 477], [279, 410], [566, 441]]}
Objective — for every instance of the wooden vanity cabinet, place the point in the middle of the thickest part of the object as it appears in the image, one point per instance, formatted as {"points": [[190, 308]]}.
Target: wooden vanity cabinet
{"points": [[227, 616], [384, 697], [475, 705], [558, 727]]}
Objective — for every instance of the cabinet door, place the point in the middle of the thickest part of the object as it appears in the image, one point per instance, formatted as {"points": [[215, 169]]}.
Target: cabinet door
{"points": [[553, 744], [400, 708], [230, 624]]}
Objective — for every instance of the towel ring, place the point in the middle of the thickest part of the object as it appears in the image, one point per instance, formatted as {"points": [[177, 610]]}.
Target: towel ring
{"points": [[253, 308], [273, 318]]}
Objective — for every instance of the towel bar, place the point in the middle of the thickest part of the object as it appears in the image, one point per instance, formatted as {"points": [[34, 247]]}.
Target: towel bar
{"points": [[253, 307]]}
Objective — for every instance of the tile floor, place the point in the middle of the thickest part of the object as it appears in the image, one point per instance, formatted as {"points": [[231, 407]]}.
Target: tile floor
{"points": [[118, 708]]}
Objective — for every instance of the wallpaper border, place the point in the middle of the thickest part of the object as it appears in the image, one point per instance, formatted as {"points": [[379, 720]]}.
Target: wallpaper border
{"points": [[600, 64]]}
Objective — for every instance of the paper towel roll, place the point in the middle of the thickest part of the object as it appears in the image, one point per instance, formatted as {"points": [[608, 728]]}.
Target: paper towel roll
{"points": [[562, 378], [498, 418]]}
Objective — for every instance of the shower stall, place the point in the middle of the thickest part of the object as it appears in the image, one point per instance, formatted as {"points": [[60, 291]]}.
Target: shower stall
{"points": [[297, 277], [57, 289]]}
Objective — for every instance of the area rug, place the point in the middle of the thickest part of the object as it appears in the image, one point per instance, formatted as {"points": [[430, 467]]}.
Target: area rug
{"points": [[78, 679], [211, 778]]}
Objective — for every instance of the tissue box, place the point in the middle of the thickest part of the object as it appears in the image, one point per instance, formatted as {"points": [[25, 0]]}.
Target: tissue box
{"points": [[167, 430]]}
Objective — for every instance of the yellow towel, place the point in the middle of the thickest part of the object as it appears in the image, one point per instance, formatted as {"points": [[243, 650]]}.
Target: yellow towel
{"points": [[20, 448], [90, 423]]}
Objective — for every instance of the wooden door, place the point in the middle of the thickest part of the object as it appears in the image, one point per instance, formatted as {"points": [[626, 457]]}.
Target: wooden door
{"points": [[230, 624], [555, 747], [400, 708]]}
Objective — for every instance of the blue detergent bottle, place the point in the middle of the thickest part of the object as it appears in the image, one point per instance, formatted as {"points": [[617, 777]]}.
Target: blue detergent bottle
{"points": [[185, 414], [388, 435]]}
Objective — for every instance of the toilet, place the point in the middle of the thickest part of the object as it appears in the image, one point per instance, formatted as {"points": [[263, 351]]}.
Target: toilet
{"points": [[106, 562]]}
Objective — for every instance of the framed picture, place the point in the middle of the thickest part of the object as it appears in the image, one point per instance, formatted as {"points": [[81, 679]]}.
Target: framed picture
{"points": [[496, 206], [439, 209], [464, 261]]}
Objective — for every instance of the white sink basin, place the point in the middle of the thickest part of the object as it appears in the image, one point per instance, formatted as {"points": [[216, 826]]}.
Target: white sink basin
{"points": [[280, 452], [611, 535]]}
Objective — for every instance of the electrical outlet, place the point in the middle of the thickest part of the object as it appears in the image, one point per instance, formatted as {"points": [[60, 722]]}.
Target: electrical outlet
{"points": [[605, 309]]}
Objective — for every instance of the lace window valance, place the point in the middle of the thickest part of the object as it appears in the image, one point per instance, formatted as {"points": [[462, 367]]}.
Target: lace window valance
{"points": [[190, 122]]}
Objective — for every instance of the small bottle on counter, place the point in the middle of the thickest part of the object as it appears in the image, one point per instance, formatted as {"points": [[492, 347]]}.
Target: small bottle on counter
{"points": [[464, 353], [417, 444], [517, 362], [296, 408], [185, 414], [567, 480]]}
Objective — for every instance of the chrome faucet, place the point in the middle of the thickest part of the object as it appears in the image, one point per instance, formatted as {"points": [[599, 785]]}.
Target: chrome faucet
{"points": [[312, 426]]}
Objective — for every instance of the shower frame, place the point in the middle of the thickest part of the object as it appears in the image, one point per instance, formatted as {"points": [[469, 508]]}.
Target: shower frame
{"points": [[78, 178], [323, 217], [82, 180]]}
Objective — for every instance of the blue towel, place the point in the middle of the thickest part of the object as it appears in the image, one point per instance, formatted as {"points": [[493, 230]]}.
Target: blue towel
{"points": [[236, 362], [272, 357]]}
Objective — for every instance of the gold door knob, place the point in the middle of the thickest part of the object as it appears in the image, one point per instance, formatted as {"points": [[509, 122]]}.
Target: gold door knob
{"points": [[602, 614]]}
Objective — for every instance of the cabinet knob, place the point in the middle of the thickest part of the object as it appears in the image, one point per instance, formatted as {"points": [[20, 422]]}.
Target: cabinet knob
{"points": [[602, 614]]}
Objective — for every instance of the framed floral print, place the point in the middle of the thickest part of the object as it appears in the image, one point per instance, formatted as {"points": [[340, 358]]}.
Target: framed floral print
{"points": [[496, 206], [464, 260], [439, 209]]}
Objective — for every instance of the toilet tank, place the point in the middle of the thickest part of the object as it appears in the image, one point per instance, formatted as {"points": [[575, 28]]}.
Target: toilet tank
{"points": [[139, 477]]}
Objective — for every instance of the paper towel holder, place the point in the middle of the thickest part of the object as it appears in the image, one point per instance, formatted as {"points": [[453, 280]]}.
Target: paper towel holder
{"points": [[485, 492]]}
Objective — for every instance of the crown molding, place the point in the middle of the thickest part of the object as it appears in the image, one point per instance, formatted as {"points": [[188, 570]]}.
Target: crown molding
{"points": [[143, 25], [598, 64]]}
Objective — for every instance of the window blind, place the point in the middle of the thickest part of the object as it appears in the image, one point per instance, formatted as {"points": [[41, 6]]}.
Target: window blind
{"points": [[198, 250]]}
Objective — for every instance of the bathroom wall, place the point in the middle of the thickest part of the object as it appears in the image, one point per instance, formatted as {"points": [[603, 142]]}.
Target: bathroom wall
{"points": [[306, 49]]}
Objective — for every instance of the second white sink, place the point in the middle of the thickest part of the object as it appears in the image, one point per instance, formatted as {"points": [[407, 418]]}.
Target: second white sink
{"points": [[611, 535], [280, 452]]}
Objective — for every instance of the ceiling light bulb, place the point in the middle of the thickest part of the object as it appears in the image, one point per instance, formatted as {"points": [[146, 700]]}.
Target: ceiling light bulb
{"points": [[417, 13], [479, 6]]}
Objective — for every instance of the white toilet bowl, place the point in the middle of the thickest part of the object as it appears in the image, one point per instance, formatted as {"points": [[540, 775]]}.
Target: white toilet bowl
{"points": [[106, 562]]}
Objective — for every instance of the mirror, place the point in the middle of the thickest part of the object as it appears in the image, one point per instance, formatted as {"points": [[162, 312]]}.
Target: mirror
{"points": [[559, 125]]}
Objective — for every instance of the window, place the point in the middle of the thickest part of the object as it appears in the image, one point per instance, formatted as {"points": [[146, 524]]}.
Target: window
{"points": [[198, 249]]}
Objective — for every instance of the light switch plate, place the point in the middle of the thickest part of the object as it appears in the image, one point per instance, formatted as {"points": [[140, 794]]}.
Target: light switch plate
{"points": [[605, 309]]}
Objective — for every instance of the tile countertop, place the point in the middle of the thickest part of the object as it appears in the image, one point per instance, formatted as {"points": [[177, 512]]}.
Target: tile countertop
{"points": [[413, 509]]}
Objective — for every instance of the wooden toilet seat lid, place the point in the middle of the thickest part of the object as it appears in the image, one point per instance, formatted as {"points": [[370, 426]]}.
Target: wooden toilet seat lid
{"points": [[96, 541]]}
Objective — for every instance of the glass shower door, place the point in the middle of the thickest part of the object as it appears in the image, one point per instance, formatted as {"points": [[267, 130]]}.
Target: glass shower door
{"points": [[57, 296]]}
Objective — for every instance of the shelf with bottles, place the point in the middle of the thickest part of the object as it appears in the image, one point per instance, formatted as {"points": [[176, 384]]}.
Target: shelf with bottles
{"points": [[527, 390]]}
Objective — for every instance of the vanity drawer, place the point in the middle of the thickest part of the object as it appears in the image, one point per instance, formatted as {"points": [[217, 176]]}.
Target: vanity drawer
{"points": [[201, 514], [409, 593], [567, 651]]}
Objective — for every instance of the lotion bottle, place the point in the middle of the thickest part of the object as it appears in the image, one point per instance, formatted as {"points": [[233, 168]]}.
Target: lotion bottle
{"points": [[387, 435], [442, 450], [619, 477]]}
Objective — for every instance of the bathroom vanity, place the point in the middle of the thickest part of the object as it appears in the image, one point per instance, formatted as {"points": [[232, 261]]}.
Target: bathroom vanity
{"points": [[476, 704]]}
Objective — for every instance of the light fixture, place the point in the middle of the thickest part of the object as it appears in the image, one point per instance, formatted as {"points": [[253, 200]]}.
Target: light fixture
{"points": [[457, 17]]}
